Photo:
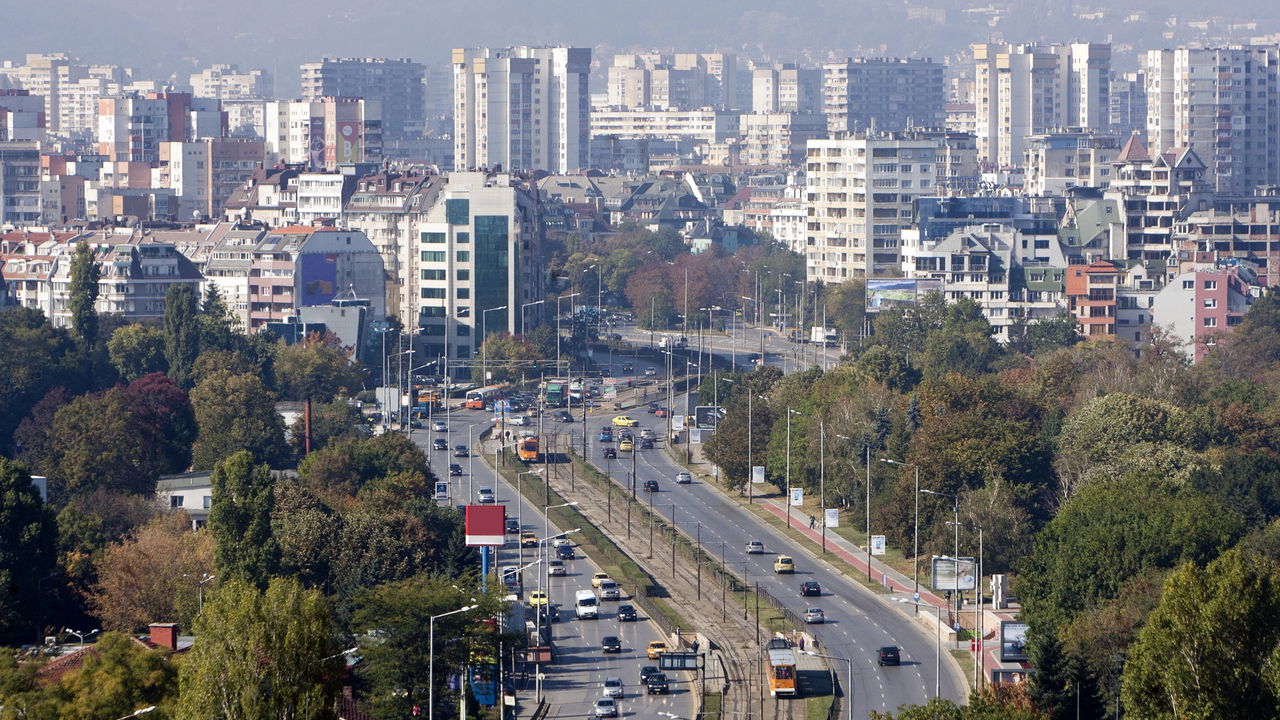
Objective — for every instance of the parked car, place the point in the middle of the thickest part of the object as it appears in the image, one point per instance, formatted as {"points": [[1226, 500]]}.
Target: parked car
{"points": [[455, 469], [611, 453], [611, 644], [657, 684], [651, 486], [606, 707], [755, 547], [626, 613], [485, 496], [683, 478], [888, 655], [814, 615], [440, 444], [461, 451], [810, 589]]}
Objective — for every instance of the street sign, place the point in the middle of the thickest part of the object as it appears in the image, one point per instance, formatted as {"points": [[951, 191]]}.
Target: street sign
{"points": [[678, 661], [877, 544]]}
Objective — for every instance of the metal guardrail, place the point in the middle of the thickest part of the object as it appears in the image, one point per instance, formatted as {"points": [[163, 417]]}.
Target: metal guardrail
{"points": [[542, 710]]}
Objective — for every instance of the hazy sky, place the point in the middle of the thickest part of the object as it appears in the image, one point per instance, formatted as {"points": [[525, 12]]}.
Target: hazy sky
{"points": [[179, 35]]}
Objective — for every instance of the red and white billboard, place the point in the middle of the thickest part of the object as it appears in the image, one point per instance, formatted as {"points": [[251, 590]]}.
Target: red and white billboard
{"points": [[486, 525]]}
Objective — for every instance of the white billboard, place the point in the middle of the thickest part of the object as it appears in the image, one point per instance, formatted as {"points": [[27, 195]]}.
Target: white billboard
{"points": [[877, 544], [831, 517], [797, 496], [947, 576], [757, 474]]}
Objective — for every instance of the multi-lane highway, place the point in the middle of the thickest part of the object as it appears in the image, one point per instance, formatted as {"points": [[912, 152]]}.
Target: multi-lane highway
{"points": [[572, 683], [858, 623]]}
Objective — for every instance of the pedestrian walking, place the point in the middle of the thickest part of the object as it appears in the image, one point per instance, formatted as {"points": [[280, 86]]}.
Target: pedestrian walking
{"points": [[802, 643], [812, 521]]}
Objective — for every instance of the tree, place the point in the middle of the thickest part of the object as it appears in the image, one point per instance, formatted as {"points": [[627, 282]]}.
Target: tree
{"points": [[1202, 651], [136, 350], [118, 677], [218, 329], [846, 306], [153, 575], [46, 361], [163, 421], [1044, 335], [236, 412], [1101, 429], [93, 444], [507, 356], [240, 520], [82, 295], [316, 369], [27, 541], [181, 332], [330, 421], [1248, 484], [346, 466], [395, 666], [31, 439], [261, 656]]}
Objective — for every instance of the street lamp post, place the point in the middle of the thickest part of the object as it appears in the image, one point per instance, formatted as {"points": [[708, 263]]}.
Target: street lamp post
{"points": [[822, 471], [81, 636], [200, 582], [520, 510], [915, 553], [431, 662], [484, 358], [845, 437], [979, 660], [139, 711], [562, 297], [955, 508], [937, 650], [524, 323], [848, 692], [545, 542]]}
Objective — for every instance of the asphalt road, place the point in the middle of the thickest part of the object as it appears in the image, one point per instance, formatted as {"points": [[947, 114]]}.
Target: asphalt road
{"points": [[858, 622], [573, 682], [737, 347]]}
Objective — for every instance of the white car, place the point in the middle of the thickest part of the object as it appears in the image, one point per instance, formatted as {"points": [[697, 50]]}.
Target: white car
{"points": [[485, 496], [518, 420], [606, 707], [684, 478], [556, 567], [814, 616], [612, 687], [439, 426], [755, 547], [562, 542]]}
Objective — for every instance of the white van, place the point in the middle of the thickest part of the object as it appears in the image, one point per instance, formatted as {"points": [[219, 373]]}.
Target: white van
{"points": [[585, 605]]}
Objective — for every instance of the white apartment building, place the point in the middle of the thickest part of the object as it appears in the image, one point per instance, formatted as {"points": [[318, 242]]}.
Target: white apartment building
{"points": [[227, 82], [1221, 102], [883, 94], [1023, 90], [521, 108], [700, 125], [395, 84], [786, 88], [779, 138], [325, 133], [858, 197], [1057, 161]]}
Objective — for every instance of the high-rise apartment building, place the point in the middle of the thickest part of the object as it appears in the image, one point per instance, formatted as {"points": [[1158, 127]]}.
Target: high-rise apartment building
{"points": [[20, 183], [1023, 90], [786, 88], [228, 83], [1221, 102], [858, 196], [683, 81], [324, 133], [521, 108], [132, 128], [1129, 103], [397, 85], [884, 94]]}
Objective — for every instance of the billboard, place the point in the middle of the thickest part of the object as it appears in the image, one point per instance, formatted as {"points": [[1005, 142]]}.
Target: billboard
{"points": [[890, 292], [757, 474], [797, 497], [831, 517], [1013, 642], [486, 525], [877, 544], [947, 576], [707, 417], [348, 142], [318, 278]]}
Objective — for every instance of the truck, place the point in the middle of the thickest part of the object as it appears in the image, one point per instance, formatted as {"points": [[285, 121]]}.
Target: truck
{"points": [[557, 393], [824, 336]]}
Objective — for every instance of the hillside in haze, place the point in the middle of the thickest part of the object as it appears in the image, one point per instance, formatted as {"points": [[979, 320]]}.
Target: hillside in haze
{"points": [[178, 35]]}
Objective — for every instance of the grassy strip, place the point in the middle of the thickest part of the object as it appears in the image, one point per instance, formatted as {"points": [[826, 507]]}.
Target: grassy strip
{"points": [[712, 704], [819, 707]]}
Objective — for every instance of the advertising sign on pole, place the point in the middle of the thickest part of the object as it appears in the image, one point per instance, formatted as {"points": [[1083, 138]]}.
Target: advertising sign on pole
{"points": [[831, 517], [947, 576], [877, 544], [757, 474], [797, 496], [486, 525], [1013, 642]]}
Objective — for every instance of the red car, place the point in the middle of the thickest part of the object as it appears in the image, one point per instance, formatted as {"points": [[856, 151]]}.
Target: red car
{"points": [[660, 412]]}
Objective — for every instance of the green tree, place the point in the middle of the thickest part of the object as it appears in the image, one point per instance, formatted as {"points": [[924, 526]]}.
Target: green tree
{"points": [[330, 421], [347, 465], [27, 542], [316, 368], [181, 332], [118, 677], [1100, 430], [240, 520], [137, 350], [218, 328], [846, 306], [92, 443], [82, 295], [1203, 649], [1044, 335], [261, 656], [889, 366], [236, 412], [508, 357], [46, 361], [395, 665], [1248, 484]]}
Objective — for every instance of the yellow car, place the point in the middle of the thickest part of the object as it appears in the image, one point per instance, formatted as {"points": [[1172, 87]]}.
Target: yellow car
{"points": [[656, 648], [528, 539], [625, 421], [598, 578], [784, 564], [626, 446], [537, 597]]}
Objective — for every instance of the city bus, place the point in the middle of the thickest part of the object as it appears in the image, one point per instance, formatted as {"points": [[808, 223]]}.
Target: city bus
{"points": [[479, 398], [782, 672]]}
